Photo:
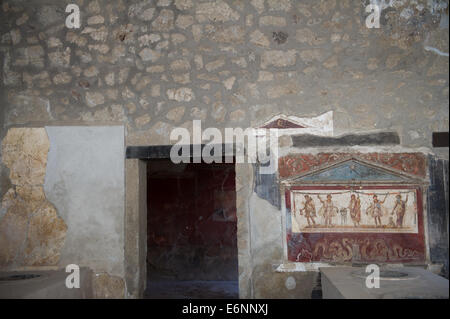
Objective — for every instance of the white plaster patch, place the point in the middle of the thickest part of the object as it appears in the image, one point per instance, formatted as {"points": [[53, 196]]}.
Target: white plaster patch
{"points": [[290, 283], [413, 134], [85, 182], [320, 125]]}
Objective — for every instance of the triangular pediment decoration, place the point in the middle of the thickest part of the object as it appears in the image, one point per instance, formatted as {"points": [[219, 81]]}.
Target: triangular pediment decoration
{"points": [[321, 125], [282, 123], [354, 170]]}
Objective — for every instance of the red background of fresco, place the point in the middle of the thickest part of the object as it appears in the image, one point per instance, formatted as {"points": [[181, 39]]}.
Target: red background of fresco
{"points": [[411, 163]]}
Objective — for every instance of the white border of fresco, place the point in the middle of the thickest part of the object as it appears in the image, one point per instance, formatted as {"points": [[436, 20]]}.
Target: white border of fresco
{"points": [[341, 200]]}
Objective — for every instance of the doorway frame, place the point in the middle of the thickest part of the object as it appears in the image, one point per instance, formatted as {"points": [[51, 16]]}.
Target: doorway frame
{"points": [[135, 249]]}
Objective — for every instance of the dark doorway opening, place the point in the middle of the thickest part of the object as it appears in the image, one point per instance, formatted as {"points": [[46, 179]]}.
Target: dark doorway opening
{"points": [[191, 230]]}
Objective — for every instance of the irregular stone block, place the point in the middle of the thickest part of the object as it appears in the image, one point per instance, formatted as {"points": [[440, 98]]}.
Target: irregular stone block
{"points": [[148, 54], [181, 94], [106, 286], [233, 34], [48, 15], [94, 98], [278, 58], [215, 11], [184, 4]]}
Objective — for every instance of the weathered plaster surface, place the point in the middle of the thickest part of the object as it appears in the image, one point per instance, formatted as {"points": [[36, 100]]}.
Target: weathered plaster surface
{"points": [[135, 227], [244, 186], [31, 231], [263, 251], [265, 231], [85, 181]]}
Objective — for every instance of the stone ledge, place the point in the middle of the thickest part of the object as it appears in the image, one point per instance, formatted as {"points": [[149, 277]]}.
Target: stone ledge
{"points": [[315, 266], [381, 138], [163, 151]]}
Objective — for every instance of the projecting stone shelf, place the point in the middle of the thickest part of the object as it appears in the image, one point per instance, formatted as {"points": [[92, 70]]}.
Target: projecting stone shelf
{"points": [[350, 283]]}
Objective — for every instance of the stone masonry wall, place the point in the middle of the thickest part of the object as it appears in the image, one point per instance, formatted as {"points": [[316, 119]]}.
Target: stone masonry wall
{"points": [[153, 65]]}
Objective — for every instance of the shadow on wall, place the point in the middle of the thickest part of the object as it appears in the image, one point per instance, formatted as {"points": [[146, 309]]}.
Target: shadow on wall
{"points": [[438, 218]]}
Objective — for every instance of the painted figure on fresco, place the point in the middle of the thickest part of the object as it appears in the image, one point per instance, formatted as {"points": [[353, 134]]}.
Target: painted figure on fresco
{"points": [[399, 209], [328, 210], [309, 208], [388, 210], [355, 209], [376, 209]]}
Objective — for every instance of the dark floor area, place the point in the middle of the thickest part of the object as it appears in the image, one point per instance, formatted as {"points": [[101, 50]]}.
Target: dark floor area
{"points": [[194, 289]]}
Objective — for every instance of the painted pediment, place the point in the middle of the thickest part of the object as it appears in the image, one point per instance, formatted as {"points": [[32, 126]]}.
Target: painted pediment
{"points": [[321, 125], [353, 170], [282, 123]]}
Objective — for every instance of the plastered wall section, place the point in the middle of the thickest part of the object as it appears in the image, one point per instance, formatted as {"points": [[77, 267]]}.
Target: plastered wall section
{"points": [[85, 181]]}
